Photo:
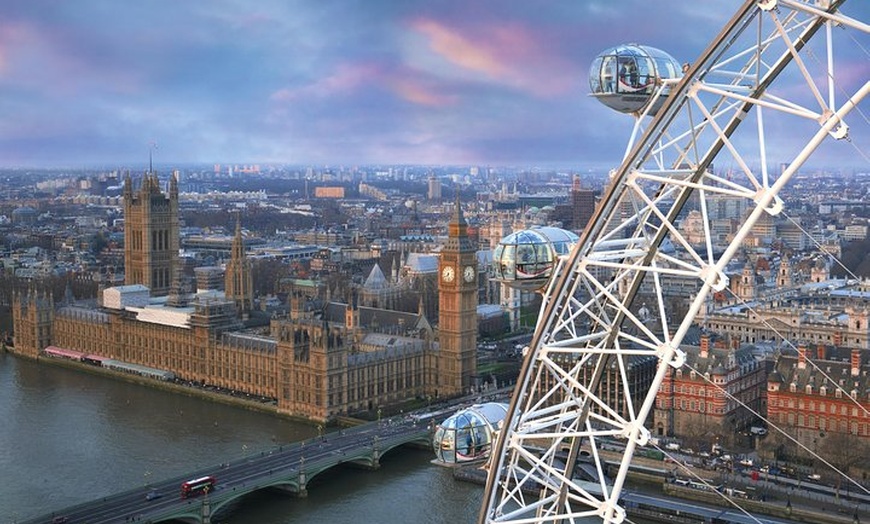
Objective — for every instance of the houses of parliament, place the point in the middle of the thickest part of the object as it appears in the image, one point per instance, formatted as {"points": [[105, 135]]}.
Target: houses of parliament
{"points": [[319, 361]]}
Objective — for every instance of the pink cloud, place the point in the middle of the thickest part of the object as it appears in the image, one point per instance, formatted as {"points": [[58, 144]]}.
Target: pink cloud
{"points": [[460, 50], [415, 92], [509, 54], [349, 78], [345, 78], [47, 59], [14, 38]]}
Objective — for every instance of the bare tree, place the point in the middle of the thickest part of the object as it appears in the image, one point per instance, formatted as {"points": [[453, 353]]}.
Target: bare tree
{"points": [[845, 452]]}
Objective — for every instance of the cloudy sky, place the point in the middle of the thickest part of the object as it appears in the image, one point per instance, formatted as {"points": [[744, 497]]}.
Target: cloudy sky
{"points": [[93, 82]]}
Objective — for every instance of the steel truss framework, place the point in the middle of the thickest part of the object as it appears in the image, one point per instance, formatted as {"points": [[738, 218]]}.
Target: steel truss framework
{"points": [[589, 318]]}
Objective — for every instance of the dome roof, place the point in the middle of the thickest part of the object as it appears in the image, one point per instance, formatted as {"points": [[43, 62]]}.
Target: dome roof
{"points": [[24, 210], [562, 239]]}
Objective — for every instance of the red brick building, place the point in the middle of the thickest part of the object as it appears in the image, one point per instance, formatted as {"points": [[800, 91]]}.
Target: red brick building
{"points": [[692, 403], [820, 398]]}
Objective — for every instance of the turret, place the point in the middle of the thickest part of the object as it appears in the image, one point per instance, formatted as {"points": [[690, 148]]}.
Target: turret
{"points": [[239, 282], [783, 278], [33, 318]]}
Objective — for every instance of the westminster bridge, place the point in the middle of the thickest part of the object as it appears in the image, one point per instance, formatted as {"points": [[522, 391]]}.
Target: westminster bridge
{"points": [[288, 468]]}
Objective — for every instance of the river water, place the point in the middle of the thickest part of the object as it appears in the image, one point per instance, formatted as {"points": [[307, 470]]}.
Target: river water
{"points": [[68, 437]]}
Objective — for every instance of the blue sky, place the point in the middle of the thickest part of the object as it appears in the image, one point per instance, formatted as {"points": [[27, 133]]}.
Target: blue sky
{"points": [[93, 82]]}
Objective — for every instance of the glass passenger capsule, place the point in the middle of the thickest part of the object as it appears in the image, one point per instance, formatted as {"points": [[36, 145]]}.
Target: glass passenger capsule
{"points": [[625, 77], [526, 259], [467, 435]]}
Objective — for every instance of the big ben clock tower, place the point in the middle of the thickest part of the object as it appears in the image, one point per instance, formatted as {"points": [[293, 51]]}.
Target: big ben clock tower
{"points": [[457, 312]]}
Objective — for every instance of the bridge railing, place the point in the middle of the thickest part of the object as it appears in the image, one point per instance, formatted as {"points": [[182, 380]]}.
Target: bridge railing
{"points": [[383, 440]]}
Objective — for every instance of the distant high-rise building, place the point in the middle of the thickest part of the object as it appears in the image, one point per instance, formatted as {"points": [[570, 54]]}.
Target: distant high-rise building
{"points": [[583, 204], [434, 188], [151, 240], [577, 212]]}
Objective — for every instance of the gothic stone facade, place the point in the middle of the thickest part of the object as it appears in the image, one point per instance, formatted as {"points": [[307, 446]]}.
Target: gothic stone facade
{"points": [[317, 364], [312, 366]]}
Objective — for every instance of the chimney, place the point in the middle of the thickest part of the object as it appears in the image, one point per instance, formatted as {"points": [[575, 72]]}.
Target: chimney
{"points": [[349, 317], [802, 357], [856, 362], [820, 352], [705, 346]]}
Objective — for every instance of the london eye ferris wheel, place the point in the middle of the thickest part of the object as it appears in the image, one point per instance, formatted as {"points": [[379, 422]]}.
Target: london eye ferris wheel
{"points": [[728, 107]]}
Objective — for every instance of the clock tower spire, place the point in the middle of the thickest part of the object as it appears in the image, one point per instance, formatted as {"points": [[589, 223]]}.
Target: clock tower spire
{"points": [[457, 312]]}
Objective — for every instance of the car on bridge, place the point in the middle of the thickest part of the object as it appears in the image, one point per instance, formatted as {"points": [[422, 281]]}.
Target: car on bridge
{"points": [[153, 494]]}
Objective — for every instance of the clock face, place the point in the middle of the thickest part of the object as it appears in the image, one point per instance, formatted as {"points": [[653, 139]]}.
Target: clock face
{"points": [[448, 274], [468, 273]]}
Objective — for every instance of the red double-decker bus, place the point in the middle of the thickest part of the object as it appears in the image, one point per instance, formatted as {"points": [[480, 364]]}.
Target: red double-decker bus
{"points": [[194, 487]]}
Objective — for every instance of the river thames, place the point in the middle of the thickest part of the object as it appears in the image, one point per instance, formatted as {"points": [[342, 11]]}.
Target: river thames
{"points": [[70, 436]]}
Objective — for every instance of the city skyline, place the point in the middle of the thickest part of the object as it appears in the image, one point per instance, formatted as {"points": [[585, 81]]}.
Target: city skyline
{"points": [[332, 83]]}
